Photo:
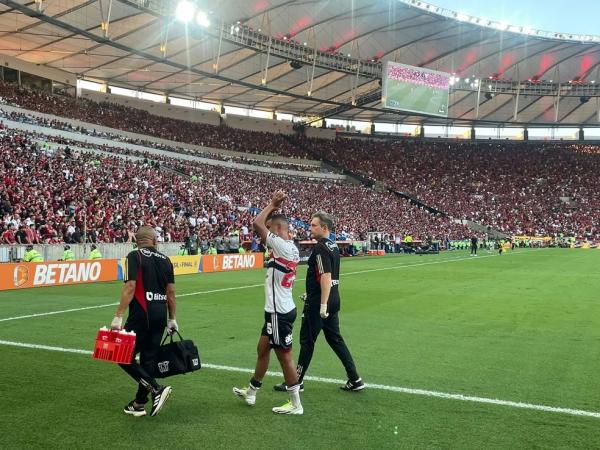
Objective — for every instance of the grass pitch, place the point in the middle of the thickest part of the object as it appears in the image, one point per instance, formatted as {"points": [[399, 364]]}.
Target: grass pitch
{"points": [[416, 98], [522, 327]]}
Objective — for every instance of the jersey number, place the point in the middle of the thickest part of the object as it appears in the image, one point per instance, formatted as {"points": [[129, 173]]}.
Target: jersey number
{"points": [[288, 280]]}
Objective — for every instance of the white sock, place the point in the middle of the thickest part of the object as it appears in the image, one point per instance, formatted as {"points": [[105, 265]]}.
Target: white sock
{"points": [[251, 391], [294, 392]]}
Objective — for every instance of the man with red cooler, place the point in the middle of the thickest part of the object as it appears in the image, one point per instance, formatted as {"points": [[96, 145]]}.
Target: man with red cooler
{"points": [[149, 293]]}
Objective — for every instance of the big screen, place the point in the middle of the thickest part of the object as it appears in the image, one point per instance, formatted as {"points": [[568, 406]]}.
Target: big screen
{"points": [[414, 89]]}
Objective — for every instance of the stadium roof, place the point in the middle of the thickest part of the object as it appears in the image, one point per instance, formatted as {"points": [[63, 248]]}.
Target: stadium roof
{"points": [[142, 46]]}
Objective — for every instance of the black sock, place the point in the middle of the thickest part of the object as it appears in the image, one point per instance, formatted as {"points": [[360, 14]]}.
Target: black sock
{"points": [[255, 383]]}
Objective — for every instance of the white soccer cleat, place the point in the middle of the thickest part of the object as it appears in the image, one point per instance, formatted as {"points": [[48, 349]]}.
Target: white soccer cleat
{"points": [[243, 394], [289, 408], [159, 398]]}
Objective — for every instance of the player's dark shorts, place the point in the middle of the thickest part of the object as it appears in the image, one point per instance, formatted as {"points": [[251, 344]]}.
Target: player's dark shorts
{"points": [[278, 327]]}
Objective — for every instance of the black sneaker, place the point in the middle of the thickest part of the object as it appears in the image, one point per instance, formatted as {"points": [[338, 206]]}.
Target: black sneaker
{"points": [[283, 388], [158, 399], [357, 385], [136, 411]]}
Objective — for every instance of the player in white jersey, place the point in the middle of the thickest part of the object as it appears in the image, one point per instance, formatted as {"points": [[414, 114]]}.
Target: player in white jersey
{"points": [[280, 310]]}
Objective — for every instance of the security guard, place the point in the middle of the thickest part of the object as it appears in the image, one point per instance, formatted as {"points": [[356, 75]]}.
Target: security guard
{"points": [[68, 254], [32, 255], [95, 253]]}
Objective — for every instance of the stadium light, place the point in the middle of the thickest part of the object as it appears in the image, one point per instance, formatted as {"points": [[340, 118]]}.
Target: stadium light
{"points": [[202, 19], [185, 11]]}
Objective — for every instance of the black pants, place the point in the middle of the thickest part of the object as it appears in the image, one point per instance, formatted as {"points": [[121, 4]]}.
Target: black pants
{"points": [[474, 249], [147, 344], [312, 324]]}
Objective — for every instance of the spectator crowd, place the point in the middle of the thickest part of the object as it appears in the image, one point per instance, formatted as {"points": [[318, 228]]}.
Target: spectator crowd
{"points": [[531, 188], [535, 188], [61, 195]]}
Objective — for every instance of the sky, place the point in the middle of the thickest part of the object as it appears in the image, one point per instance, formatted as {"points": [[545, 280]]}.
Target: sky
{"points": [[575, 17]]}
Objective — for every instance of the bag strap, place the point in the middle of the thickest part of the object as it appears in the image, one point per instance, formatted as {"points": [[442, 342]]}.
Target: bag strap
{"points": [[171, 336]]}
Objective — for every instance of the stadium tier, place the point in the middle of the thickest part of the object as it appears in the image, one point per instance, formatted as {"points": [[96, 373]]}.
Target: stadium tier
{"points": [[536, 189], [138, 121], [114, 196]]}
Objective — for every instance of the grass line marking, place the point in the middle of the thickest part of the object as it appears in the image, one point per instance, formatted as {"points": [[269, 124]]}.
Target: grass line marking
{"points": [[381, 387], [50, 313]]}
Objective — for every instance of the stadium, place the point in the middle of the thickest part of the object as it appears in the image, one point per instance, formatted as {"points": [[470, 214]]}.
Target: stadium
{"points": [[421, 180]]}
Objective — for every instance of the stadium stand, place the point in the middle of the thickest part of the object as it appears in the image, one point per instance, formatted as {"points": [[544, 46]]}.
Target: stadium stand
{"points": [[130, 119], [533, 189], [46, 189], [245, 158], [536, 189]]}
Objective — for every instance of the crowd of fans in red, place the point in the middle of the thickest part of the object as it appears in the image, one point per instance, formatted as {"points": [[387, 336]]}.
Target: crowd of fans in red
{"points": [[519, 188], [53, 197], [248, 158], [537, 189], [142, 122]]}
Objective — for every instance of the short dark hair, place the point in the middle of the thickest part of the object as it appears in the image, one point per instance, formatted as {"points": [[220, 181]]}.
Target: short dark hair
{"points": [[325, 219], [279, 218]]}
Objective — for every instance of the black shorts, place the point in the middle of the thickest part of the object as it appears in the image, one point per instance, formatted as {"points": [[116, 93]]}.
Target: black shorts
{"points": [[278, 327]]}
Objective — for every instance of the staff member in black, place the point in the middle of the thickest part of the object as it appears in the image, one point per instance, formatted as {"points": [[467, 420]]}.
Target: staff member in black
{"points": [[149, 292], [474, 243], [322, 305]]}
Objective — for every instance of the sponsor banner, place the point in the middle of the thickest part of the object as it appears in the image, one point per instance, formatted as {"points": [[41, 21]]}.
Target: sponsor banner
{"points": [[184, 265], [533, 238], [234, 261], [59, 273]]}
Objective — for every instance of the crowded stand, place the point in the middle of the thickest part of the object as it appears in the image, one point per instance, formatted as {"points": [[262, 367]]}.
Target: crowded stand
{"points": [[538, 189], [138, 121], [53, 196], [245, 159]]}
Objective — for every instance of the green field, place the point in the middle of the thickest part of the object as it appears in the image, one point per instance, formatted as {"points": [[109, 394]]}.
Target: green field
{"points": [[522, 327], [416, 98]]}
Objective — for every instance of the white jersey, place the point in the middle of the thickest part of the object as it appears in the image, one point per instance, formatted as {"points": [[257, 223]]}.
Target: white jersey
{"points": [[281, 274]]}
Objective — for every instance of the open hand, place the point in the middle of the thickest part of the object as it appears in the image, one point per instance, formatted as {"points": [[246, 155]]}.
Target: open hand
{"points": [[278, 198]]}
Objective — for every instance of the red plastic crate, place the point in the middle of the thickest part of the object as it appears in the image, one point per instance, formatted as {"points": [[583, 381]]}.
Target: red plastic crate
{"points": [[114, 346]]}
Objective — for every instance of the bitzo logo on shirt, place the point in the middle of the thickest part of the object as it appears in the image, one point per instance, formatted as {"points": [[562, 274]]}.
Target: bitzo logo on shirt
{"points": [[150, 296]]}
